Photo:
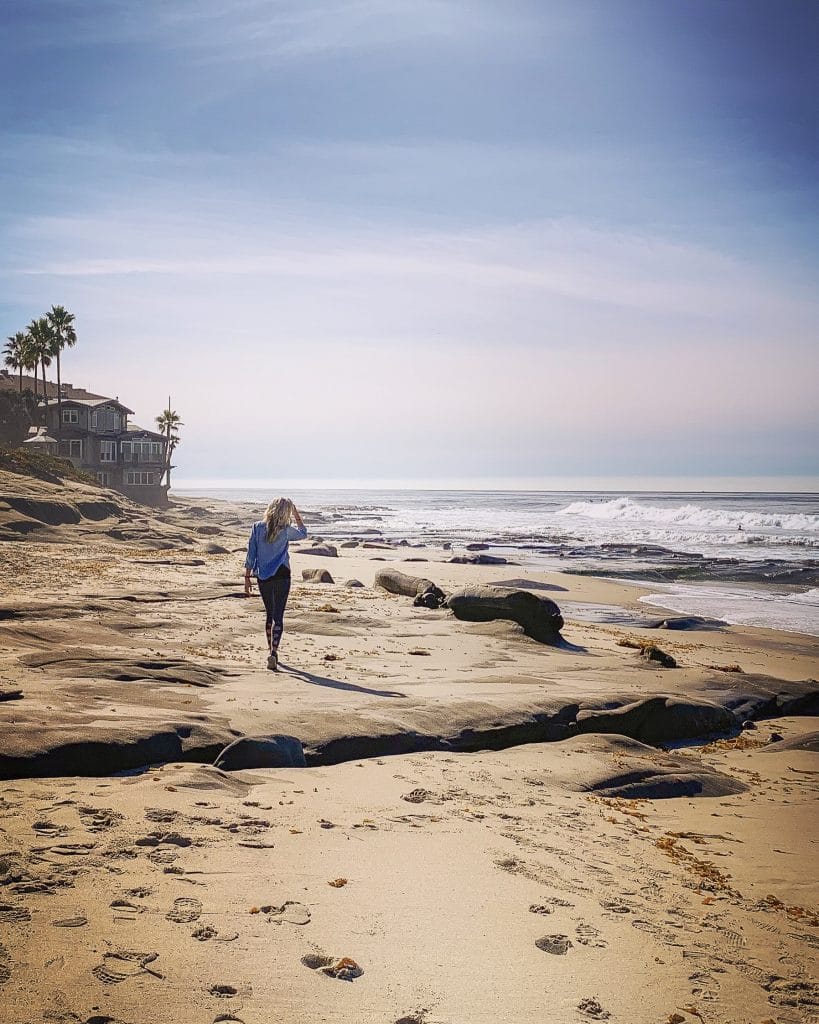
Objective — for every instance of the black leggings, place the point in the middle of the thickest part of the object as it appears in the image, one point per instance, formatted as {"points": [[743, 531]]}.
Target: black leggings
{"points": [[275, 590]]}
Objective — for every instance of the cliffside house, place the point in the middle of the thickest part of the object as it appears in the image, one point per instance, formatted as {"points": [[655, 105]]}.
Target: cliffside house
{"points": [[96, 436]]}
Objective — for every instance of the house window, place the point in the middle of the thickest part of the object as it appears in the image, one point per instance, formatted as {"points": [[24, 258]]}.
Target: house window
{"points": [[105, 418], [108, 451], [75, 449], [104, 479], [139, 479], [71, 416]]}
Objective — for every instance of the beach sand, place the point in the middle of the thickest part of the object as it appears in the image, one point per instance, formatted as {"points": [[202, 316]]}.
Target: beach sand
{"points": [[481, 875]]}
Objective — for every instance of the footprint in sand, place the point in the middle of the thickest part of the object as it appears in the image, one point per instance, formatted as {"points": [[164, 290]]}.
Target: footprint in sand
{"points": [[125, 963], [98, 819], [615, 906], [164, 839], [588, 935], [592, 1008], [289, 912], [160, 814], [126, 909], [48, 828], [5, 964], [558, 945], [222, 991], [343, 968], [185, 910], [11, 913]]}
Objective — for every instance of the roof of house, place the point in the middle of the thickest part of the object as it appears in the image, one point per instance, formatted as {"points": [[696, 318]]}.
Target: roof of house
{"points": [[11, 382], [93, 403], [133, 428]]}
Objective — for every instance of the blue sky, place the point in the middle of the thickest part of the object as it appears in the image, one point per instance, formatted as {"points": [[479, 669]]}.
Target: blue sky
{"points": [[427, 238]]}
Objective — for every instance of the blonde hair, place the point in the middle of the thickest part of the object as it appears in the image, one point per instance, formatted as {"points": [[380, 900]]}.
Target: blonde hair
{"points": [[277, 516]]}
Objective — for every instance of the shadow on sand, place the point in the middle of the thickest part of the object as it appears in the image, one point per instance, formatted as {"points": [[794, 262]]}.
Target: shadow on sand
{"points": [[336, 684]]}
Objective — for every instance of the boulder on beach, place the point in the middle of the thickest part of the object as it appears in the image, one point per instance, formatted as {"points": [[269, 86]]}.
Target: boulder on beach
{"points": [[425, 593], [349, 544], [480, 559], [353, 583], [325, 550], [262, 752], [317, 576], [216, 549], [539, 616], [802, 741], [660, 720]]}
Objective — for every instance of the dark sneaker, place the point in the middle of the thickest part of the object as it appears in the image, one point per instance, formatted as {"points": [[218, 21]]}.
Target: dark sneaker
{"points": [[273, 662]]}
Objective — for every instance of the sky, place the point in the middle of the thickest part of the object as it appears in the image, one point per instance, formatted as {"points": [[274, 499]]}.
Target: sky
{"points": [[426, 239]]}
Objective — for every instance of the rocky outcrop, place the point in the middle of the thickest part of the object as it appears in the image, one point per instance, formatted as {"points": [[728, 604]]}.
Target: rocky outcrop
{"points": [[660, 720], [262, 752], [480, 560], [424, 592], [317, 576], [539, 616], [325, 550], [803, 741]]}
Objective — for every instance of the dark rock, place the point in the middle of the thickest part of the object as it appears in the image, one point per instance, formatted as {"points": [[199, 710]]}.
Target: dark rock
{"points": [[692, 622], [659, 657], [44, 510], [349, 544], [97, 510], [804, 741], [539, 616], [425, 592], [660, 719], [325, 550], [261, 752], [208, 531], [479, 560], [476, 547], [216, 549], [748, 724], [353, 583], [317, 576]]}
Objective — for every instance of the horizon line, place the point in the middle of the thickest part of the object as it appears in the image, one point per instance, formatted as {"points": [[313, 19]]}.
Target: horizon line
{"points": [[790, 483]]}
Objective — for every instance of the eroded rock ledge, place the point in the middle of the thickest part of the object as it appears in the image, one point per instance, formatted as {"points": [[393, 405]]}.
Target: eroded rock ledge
{"points": [[332, 737]]}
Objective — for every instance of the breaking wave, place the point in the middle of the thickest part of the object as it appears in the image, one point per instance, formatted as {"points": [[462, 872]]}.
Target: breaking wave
{"points": [[626, 510]]}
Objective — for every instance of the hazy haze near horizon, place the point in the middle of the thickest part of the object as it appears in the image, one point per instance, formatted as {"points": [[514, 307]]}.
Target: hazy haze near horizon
{"points": [[427, 239]]}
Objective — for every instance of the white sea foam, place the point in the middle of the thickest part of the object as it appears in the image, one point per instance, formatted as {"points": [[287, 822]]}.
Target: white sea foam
{"points": [[794, 613], [696, 516]]}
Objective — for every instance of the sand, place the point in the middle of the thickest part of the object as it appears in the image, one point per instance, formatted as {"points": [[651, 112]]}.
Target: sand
{"points": [[594, 878]]}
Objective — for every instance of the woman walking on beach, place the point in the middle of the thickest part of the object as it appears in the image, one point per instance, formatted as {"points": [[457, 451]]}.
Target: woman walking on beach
{"points": [[268, 558]]}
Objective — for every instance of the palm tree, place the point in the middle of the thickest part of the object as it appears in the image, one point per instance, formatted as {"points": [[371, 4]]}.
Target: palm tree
{"points": [[30, 360], [63, 336], [169, 423], [40, 335], [15, 354]]}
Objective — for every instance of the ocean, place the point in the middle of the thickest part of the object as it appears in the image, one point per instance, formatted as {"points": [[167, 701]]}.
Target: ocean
{"points": [[748, 558]]}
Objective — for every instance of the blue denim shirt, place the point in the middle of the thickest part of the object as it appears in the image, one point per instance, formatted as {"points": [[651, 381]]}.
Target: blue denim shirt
{"points": [[265, 557]]}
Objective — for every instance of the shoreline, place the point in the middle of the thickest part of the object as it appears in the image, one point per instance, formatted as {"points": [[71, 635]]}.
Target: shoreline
{"points": [[506, 831]]}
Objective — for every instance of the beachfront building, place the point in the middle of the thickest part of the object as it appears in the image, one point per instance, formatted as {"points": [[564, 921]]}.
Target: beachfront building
{"points": [[94, 433]]}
